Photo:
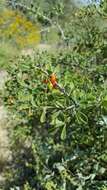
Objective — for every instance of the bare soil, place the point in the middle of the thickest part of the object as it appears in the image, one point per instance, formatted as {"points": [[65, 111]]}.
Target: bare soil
{"points": [[5, 153]]}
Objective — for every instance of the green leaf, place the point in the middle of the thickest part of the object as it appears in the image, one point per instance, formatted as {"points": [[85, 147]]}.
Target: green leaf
{"points": [[59, 104], [63, 133], [104, 102], [43, 116], [81, 117], [102, 170], [58, 123], [104, 119], [23, 107], [22, 96]]}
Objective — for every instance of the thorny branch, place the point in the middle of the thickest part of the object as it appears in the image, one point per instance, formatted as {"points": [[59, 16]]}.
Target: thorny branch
{"points": [[39, 14]]}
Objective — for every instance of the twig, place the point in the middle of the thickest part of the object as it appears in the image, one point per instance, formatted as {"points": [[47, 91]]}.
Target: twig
{"points": [[53, 24], [61, 31]]}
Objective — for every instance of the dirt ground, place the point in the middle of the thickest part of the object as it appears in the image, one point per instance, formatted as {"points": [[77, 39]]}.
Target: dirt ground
{"points": [[5, 154]]}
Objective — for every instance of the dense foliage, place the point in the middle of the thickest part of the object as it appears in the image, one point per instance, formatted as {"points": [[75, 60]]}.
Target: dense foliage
{"points": [[62, 134], [59, 105]]}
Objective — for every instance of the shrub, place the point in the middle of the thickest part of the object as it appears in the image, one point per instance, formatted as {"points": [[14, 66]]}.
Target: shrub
{"points": [[16, 28], [66, 24], [59, 140]]}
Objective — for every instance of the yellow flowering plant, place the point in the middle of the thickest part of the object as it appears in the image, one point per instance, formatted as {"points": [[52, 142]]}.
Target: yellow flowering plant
{"points": [[16, 27]]}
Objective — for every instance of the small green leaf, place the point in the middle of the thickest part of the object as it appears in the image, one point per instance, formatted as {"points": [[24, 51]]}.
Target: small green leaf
{"points": [[104, 102], [59, 104], [23, 107], [63, 133], [58, 123], [81, 118], [43, 116]]}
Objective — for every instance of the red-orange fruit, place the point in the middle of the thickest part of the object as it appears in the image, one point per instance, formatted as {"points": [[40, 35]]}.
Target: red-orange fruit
{"points": [[53, 80]]}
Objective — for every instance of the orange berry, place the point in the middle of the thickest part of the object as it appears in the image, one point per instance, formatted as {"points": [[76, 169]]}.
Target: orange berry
{"points": [[53, 80]]}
